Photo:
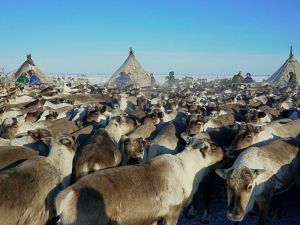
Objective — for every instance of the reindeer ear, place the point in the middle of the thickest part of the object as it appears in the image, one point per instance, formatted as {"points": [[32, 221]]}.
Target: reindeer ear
{"points": [[186, 137], [222, 173], [124, 139], [140, 140], [204, 150], [55, 114], [160, 115], [121, 119], [250, 127], [103, 109], [257, 172], [76, 142], [258, 129], [243, 125], [46, 140], [44, 133], [33, 134]]}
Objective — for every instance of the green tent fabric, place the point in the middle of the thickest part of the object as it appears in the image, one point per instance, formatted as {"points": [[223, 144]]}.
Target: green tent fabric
{"points": [[27, 65], [23, 79]]}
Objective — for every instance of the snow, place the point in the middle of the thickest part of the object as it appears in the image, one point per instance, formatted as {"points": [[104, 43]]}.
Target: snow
{"points": [[289, 215]]}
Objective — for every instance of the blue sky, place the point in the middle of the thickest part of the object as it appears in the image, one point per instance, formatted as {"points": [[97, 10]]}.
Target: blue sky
{"points": [[187, 36]]}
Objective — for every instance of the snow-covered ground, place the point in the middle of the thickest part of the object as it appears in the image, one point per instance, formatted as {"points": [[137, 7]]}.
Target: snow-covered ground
{"points": [[290, 214]]}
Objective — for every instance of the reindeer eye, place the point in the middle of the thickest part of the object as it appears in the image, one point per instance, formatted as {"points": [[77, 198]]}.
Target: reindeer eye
{"points": [[213, 147], [249, 187]]}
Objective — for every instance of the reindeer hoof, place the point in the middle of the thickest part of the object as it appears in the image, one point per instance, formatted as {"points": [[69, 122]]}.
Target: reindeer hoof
{"points": [[191, 212], [205, 218]]}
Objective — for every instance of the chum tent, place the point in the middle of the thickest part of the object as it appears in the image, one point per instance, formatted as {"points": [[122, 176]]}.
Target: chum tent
{"points": [[132, 69], [27, 65], [282, 75]]}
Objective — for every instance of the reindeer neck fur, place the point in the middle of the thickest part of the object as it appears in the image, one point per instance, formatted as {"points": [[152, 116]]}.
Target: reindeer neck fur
{"points": [[123, 102], [8, 114], [266, 134], [116, 136], [25, 126], [21, 119], [43, 116], [61, 158], [193, 170], [22, 141], [66, 89]]}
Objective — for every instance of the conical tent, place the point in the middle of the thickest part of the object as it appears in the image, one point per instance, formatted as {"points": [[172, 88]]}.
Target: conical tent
{"points": [[134, 70], [27, 65], [282, 75]]}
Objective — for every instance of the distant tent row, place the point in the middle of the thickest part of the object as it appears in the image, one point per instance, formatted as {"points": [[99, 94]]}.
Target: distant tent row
{"points": [[132, 72]]}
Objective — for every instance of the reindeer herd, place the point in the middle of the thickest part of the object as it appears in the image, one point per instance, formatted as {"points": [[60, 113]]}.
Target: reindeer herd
{"points": [[91, 155]]}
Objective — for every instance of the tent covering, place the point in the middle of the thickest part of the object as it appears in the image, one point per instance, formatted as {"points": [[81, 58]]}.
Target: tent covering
{"points": [[281, 76], [27, 65], [134, 70]]}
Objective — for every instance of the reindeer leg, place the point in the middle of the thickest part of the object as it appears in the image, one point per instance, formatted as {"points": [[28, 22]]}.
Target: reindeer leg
{"points": [[193, 207], [263, 205], [172, 217], [208, 187], [275, 208]]}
